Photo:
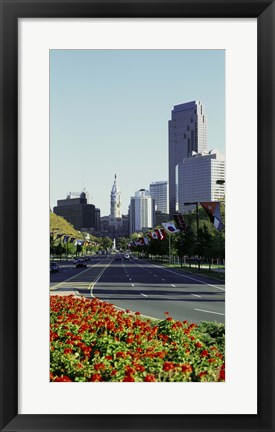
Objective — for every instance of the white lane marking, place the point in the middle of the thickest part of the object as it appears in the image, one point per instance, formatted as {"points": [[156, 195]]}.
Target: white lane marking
{"points": [[130, 279], [133, 313], [173, 285], [144, 295], [196, 295], [216, 313], [72, 277], [189, 277], [91, 286]]}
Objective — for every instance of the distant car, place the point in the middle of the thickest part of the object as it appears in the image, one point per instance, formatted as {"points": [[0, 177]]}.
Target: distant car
{"points": [[127, 256], [54, 268], [80, 263]]}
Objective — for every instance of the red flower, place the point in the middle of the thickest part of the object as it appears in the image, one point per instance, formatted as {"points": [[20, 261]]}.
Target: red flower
{"points": [[186, 368], [198, 345], [159, 354], [129, 370], [120, 354], [68, 351], [99, 366], [128, 378], [137, 313], [150, 378], [96, 377], [64, 378], [204, 353], [201, 374], [140, 368], [167, 366], [222, 373]]}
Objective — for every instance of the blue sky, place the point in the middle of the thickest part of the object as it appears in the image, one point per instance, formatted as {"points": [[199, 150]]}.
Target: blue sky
{"points": [[109, 112]]}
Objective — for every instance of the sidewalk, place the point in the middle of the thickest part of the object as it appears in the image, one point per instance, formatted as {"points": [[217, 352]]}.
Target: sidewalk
{"points": [[64, 293]]}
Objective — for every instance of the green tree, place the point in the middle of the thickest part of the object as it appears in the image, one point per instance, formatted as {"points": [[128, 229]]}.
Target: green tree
{"points": [[206, 243], [59, 250], [219, 245], [122, 243], [79, 249], [106, 243], [158, 247]]}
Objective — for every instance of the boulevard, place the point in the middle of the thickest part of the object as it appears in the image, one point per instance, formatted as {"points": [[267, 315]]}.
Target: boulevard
{"points": [[140, 285]]}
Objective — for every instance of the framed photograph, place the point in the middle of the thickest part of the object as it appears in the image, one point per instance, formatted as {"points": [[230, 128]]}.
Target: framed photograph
{"points": [[145, 63]]}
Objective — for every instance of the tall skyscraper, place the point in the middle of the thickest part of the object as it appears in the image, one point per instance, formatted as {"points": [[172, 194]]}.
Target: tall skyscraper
{"points": [[202, 178], [159, 191], [115, 202], [141, 211], [187, 133]]}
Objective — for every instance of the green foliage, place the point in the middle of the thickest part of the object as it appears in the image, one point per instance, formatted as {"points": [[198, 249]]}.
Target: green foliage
{"points": [[158, 247], [213, 333], [105, 243], [92, 341], [59, 225], [122, 243]]}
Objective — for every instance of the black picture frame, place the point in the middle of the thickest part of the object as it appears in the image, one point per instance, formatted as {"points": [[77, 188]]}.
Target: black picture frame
{"points": [[11, 11]]}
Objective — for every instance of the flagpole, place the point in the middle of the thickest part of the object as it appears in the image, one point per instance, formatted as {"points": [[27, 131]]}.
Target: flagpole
{"points": [[169, 248]]}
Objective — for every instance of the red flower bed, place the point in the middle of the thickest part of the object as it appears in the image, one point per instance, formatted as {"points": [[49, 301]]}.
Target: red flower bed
{"points": [[92, 341]]}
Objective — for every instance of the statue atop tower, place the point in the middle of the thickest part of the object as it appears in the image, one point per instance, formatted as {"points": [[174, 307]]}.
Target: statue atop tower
{"points": [[115, 203]]}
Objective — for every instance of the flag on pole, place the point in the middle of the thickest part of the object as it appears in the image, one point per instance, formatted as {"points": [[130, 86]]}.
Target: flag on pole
{"points": [[170, 227], [180, 222], [141, 241], [159, 233], [153, 235], [163, 232], [212, 208]]}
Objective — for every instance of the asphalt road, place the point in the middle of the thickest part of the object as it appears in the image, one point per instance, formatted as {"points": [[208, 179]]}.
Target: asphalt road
{"points": [[139, 285]]}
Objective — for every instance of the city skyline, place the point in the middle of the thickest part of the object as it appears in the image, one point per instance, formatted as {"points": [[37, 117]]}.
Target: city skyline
{"points": [[109, 113]]}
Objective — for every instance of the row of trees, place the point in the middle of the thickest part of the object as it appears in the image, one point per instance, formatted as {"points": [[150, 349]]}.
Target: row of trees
{"points": [[59, 248], [200, 239]]}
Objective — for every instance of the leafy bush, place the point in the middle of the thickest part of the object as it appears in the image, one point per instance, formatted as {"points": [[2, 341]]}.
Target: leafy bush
{"points": [[213, 333]]}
